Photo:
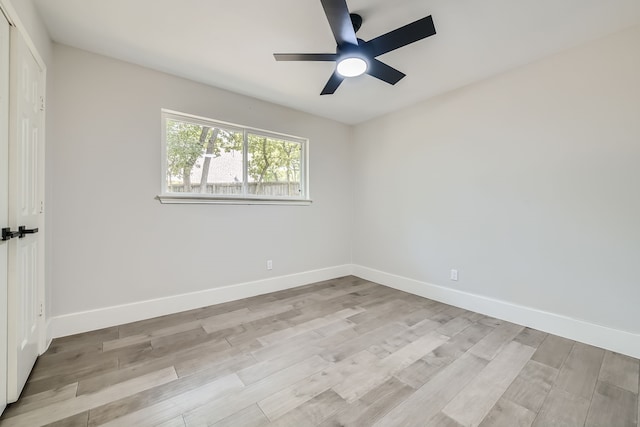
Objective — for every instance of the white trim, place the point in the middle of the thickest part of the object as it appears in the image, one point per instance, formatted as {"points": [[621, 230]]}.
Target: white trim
{"points": [[90, 320], [179, 115], [14, 19], [48, 335], [579, 330], [177, 198]]}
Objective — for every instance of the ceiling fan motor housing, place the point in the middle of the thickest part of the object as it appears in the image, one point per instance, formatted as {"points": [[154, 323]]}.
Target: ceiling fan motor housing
{"points": [[352, 51], [356, 20]]}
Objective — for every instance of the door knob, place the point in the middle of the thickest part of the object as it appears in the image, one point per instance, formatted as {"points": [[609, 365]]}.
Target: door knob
{"points": [[8, 234], [22, 230]]}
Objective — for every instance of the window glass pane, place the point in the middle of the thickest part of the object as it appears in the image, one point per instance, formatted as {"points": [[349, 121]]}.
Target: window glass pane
{"points": [[203, 159], [273, 167]]}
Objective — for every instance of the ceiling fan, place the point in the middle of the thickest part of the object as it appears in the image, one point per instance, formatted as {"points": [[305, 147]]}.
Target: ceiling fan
{"points": [[354, 56]]}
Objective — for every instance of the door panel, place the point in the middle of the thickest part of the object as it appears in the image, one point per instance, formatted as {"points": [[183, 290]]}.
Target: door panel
{"points": [[4, 200], [24, 324]]}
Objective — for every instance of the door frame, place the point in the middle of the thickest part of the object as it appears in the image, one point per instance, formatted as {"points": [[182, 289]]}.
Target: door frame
{"points": [[4, 200], [45, 335]]}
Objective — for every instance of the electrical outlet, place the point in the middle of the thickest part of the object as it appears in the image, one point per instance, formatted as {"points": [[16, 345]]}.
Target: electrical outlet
{"points": [[453, 275], [269, 264]]}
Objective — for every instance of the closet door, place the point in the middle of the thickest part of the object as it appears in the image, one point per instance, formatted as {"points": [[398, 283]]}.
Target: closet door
{"points": [[4, 201], [26, 167]]}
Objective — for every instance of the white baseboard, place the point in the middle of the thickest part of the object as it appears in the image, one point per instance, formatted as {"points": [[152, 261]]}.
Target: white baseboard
{"points": [[91, 320], [48, 335], [579, 330]]}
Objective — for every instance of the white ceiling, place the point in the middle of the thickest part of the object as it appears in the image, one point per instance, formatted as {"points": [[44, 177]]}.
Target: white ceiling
{"points": [[229, 43]]}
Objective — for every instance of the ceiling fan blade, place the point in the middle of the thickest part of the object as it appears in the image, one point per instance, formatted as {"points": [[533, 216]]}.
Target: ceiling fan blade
{"points": [[332, 84], [402, 36], [382, 71], [305, 56], [340, 22]]}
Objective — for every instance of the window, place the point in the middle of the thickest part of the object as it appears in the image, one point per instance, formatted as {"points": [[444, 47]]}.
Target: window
{"points": [[207, 161]]}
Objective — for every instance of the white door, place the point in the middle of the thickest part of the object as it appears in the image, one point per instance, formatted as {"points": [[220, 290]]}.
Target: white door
{"points": [[4, 200], [25, 210]]}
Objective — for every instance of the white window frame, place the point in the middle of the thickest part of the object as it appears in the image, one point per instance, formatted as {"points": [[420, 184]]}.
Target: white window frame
{"points": [[245, 199]]}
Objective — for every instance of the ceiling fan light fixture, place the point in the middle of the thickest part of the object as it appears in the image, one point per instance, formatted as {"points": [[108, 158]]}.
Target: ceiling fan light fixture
{"points": [[352, 66]]}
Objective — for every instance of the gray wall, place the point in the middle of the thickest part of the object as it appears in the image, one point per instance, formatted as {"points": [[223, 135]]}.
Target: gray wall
{"points": [[528, 183], [115, 244]]}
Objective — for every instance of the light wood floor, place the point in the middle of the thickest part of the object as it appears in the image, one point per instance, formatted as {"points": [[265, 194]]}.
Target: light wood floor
{"points": [[345, 352]]}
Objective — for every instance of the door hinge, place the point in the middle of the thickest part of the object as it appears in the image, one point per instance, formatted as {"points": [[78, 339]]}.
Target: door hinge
{"points": [[41, 206], [42, 103], [41, 311]]}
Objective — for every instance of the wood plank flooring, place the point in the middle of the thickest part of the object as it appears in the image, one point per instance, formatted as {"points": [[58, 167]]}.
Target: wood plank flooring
{"points": [[344, 352]]}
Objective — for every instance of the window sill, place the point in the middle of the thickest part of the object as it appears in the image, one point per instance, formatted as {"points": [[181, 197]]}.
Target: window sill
{"points": [[218, 200]]}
